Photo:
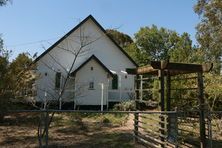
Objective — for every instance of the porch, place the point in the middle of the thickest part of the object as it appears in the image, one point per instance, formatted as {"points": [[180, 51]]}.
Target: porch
{"points": [[119, 95]]}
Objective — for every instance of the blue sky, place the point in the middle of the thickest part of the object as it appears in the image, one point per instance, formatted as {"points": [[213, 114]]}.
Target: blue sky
{"points": [[30, 25]]}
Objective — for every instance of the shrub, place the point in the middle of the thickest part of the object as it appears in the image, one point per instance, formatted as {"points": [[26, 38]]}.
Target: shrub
{"points": [[4, 104], [105, 120], [125, 106]]}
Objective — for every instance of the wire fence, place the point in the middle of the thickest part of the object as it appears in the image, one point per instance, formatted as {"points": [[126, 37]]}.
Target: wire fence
{"points": [[214, 129]]}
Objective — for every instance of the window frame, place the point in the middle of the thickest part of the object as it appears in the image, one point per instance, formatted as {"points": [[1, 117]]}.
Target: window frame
{"points": [[115, 82], [91, 85], [58, 77]]}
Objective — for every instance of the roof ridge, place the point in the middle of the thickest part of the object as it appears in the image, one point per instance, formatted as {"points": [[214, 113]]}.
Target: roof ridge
{"points": [[89, 59], [74, 29]]}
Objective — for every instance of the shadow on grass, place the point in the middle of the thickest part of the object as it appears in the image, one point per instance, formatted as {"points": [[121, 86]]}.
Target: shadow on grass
{"points": [[216, 143], [12, 141], [89, 134], [24, 119], [195, 142], [20, 119], [99, 140]]}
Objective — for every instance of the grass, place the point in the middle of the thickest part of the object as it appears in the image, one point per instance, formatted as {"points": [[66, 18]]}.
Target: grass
{"points": [[91, 130], [69, 130], [73, 119]]}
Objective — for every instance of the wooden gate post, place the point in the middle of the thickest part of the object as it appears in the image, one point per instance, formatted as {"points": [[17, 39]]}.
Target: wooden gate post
{"points": [[136, 115], [168, 87], [202, 107], [162, 103]]}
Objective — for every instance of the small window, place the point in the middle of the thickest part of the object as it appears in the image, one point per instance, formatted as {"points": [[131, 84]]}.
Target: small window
{"points": [[46, 74], [58, 80], [125, 76], [115, 82], [91, 85], [91, 68]]}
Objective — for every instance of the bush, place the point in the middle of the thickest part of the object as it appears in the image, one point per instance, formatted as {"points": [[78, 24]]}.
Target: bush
{"points": [[105, 120], [125, 106], [4, 104]]}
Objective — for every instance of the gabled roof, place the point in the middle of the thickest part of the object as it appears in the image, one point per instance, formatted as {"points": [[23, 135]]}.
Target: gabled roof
{"points": [[93, 57], [74, 29]]}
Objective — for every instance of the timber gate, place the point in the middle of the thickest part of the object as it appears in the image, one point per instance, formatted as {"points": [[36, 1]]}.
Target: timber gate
{"points": [[178, 87]]}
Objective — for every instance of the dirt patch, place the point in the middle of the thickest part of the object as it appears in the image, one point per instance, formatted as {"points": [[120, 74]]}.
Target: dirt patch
{"points": [[63, 133]]}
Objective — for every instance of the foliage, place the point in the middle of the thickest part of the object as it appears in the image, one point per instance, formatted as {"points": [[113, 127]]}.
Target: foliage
{"points": [[125, 106], [209, 30], [182, 50], [184, 95], [12, 75], [3, 2], [162, 44], [121, 39], [21, 74], [112, 119], [4, 64], [4, 104], [4, 78], [4, 90], [213, 91], [151, 41], [21, 62], [134, 52]]}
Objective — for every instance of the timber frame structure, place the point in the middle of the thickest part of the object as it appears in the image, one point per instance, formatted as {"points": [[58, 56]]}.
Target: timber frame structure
{"points": [[165, 70]]}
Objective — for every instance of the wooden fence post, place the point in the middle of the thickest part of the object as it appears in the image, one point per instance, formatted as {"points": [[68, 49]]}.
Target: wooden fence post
{"points": [[202, 107], [168, 87], [162, 99], [136, 115]]}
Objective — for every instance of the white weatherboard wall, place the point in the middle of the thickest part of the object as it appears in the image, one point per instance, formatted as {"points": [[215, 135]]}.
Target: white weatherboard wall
{"points": [[98, 44], [84, 76]]}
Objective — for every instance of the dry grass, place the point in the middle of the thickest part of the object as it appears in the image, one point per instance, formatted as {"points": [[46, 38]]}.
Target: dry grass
{"points": [[69, 130], [90, 130]]}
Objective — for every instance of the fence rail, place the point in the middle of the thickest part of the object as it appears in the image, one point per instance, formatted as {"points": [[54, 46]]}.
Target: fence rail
{"points": [[149, 128]]}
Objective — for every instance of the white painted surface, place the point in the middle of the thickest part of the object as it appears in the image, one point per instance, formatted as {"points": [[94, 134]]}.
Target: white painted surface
{"points": [[100, 45], [84, 76]]}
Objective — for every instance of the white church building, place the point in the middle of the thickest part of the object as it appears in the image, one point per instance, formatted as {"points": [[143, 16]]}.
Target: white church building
{"points": [[85, 67]]}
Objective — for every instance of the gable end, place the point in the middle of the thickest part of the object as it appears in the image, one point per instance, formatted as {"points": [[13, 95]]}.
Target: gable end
{"points": [[93, 57], [74, 29]]}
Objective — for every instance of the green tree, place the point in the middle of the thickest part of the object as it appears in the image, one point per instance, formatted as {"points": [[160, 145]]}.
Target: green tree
{"points": [[21, 62], [21, 74], [182, 49], [150, 41], [162, 44], [209, 30], [15, 77], [3, 2], [134, 52], [213, 91], [209, 36], [121, 39], [4, 80]]}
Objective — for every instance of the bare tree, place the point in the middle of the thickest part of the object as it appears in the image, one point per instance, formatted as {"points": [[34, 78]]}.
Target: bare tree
{"points": [[66, 90]]}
